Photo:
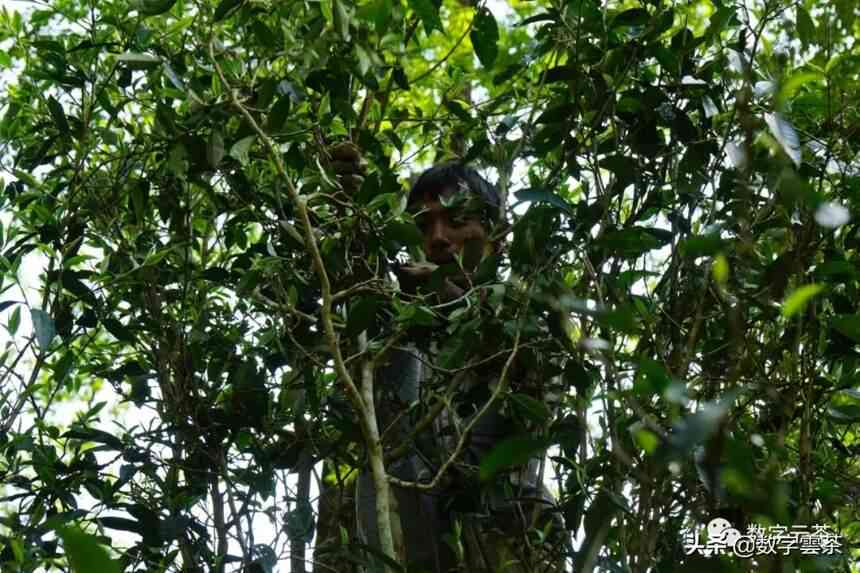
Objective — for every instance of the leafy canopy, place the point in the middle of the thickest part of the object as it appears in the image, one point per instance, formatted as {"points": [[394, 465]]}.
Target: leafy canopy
{"points": [[682, 184]]}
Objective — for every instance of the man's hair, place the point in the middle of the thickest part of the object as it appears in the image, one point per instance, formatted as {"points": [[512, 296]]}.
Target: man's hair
{"points": [[450, 175]]}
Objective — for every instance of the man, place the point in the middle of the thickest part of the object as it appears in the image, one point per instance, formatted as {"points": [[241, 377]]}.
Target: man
{"points": [[456, 210], [461, 524]]}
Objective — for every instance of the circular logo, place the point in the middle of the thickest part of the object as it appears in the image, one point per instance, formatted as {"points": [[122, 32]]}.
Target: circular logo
{"points": [[717, 527]]}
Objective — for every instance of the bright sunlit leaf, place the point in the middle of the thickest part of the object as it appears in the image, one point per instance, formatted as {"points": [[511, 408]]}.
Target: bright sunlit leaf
{"points": [[798, 299], [720, 269]]}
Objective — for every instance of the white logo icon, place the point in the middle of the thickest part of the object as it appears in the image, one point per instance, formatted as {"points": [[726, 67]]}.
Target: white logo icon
{"points": [[721, 532]]}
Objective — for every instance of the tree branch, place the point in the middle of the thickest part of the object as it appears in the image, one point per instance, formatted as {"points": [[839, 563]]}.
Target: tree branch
{"points": [[362, 404]]}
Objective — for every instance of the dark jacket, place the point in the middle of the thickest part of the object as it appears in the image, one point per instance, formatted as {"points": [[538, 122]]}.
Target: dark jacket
{"points": [[458, 517]]}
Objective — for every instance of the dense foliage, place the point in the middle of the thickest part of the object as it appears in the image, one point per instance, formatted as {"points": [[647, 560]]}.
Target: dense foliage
{"points": [[682, 184]]}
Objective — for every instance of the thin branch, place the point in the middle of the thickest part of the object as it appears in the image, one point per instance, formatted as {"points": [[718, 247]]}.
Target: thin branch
{"points": [[464, 437], [220, 527], [365, 286], [456, 45]]}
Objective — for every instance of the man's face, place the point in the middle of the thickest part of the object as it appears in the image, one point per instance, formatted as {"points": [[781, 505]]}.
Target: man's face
{"points": [[452, 230]]}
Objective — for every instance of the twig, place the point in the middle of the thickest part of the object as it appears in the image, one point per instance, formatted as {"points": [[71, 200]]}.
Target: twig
{"points": [[220, 527], [365, 286], [435, 66]]}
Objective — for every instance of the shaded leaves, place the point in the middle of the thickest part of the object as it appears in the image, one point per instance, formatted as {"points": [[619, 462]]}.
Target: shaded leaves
{"points": [[485, 37], [85, 553], [428, 12]]}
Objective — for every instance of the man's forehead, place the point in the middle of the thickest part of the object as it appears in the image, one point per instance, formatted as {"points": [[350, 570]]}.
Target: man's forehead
{"points": [[431, 198], [453, 197], [444, 191]]}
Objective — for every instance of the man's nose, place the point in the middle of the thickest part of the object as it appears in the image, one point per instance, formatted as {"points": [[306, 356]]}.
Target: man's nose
{"points": [[438, 236]]}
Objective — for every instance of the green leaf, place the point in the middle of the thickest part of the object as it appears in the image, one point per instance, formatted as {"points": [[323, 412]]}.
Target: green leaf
{"points": [[790, 87], [407, 234], [341, 17], [326, 9], [239, 150], [280, 112], [224, 9], [632, 242], [14, 321], [122, 524], [58, 115], [834, 270], [419, 315], [173, 77], [364, 61], [43, 325], [299, 522], [646, 440], [622, 166], [785, 134], [177, 160], [797, 300], [215, 148], [851, 393], [844, 414], [154, 7], [264, 34], [428, 12], [544, 196], [720, 269], [17, 550], [510, 452], [805, 26], [701, 245], [118, 330], [721, 18], [508, 73], [848, 325], [551, 16], [136, 61], [85, 553], [381, 10], [485, 37], [487, 270], [651, 378], [847, 10], [458, 109], [622, 319], [361, 315], [533, 409], [632, 17], [576, 375], [94, 435], [400, 78]]}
